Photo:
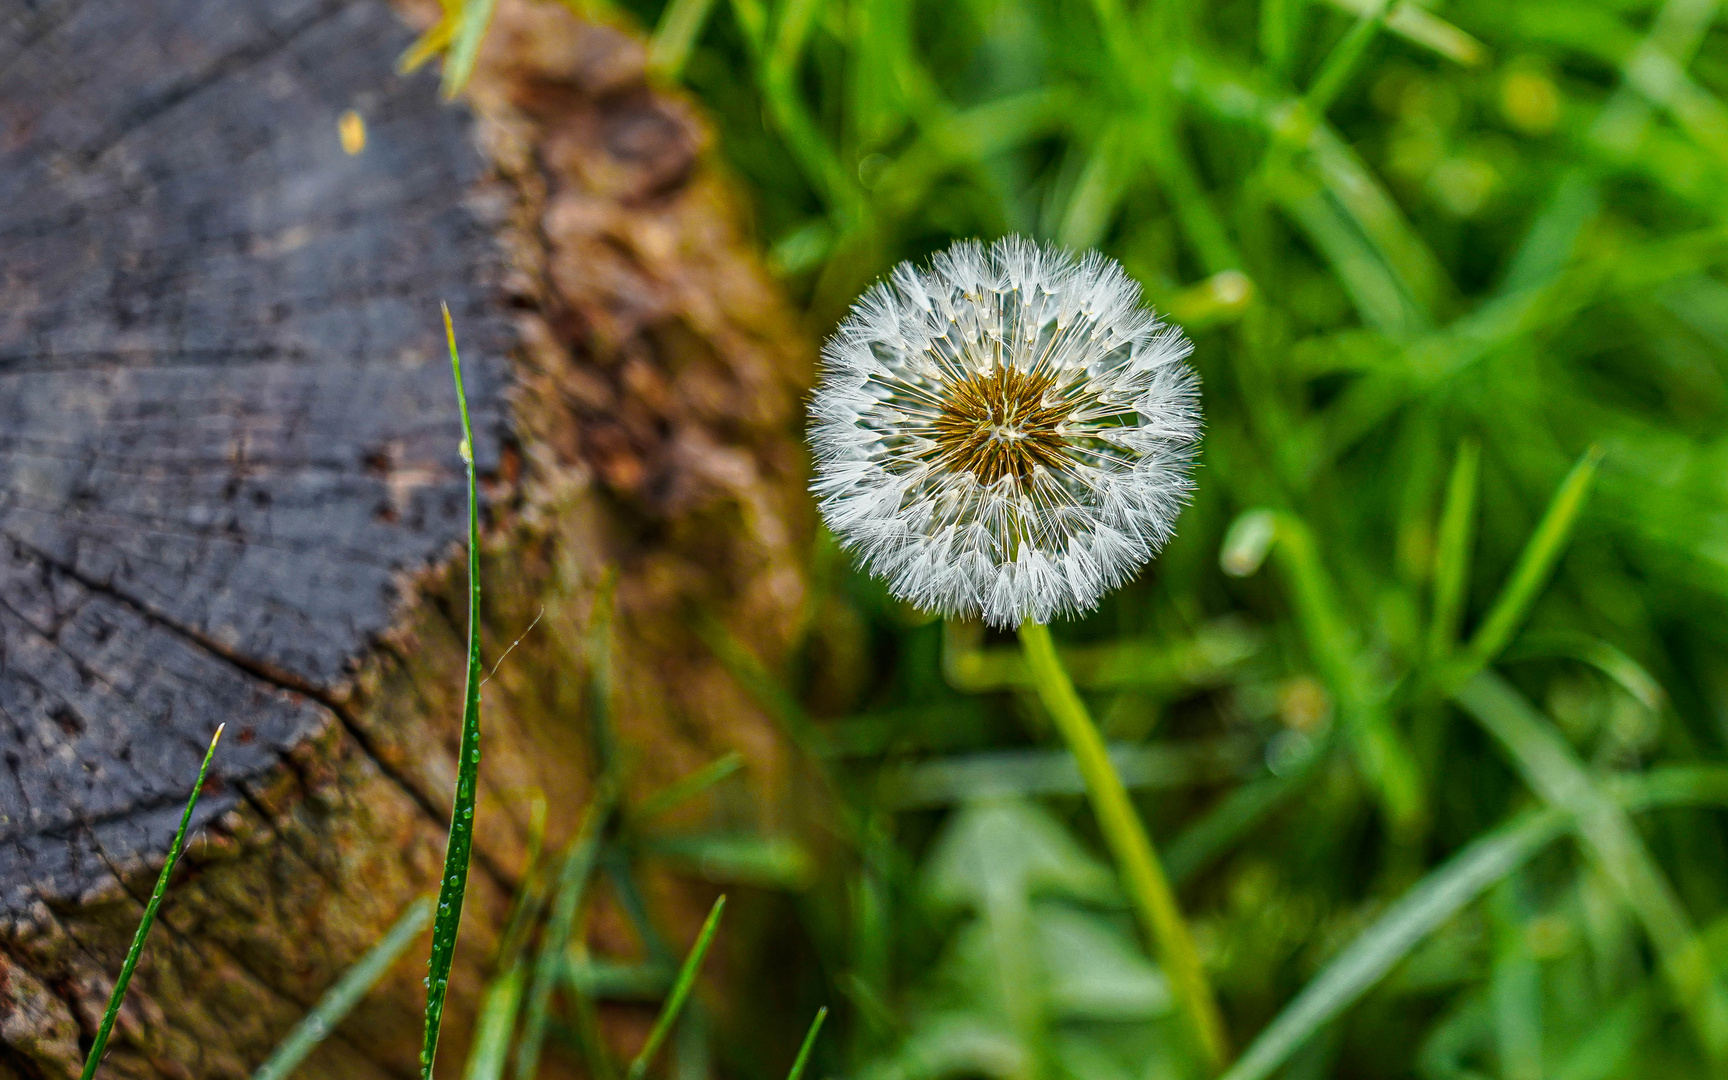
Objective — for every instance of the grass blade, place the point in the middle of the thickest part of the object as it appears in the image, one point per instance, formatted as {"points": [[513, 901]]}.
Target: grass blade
{"points": [[354, 984], [1534, 564], [803, 1057], [1452, 549], [675, 35], [1386, 760], [132, 954], [1548, 765], [496, 1022], [1239, 812], [578, 867], [1442, 894], [465, 48], [681, 988], [682, 790], [454, 884], [1372, 954], [1340, 64]]}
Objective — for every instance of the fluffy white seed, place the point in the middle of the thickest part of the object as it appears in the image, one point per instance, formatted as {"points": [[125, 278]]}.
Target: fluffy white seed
{"points": [[1008, 435]]}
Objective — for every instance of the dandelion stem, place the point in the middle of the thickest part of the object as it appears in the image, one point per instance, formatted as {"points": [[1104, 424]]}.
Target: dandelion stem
{"points": [[1148, 888]]}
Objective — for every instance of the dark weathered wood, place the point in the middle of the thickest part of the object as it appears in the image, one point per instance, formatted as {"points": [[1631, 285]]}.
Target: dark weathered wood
{"points": [[229, 493]]}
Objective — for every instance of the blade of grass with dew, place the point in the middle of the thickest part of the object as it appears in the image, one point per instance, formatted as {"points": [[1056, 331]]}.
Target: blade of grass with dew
{"points": [[573, 878], [453, 885], [1546, 762], [1514, 982], [1534, 565], [341, 998], [809, 1044], [681, 988], [502, 1002], [106, 1027]]}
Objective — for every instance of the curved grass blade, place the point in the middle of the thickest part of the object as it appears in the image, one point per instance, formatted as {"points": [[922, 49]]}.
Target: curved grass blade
{"points": [[1444, 892], [1387, 760], [803, 1057], [1372, 954], [681, 988], [454, 884], [131, 964], [1546, 762], [1535, 563], [354, 984]]}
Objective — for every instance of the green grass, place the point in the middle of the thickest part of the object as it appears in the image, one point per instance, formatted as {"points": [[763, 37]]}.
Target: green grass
{"points": [[1457, 568], [99, 1045], [453, 885], [1456, 275]]}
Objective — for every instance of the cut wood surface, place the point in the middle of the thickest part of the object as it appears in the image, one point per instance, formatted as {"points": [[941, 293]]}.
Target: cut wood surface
{"points": [[229, 492]]}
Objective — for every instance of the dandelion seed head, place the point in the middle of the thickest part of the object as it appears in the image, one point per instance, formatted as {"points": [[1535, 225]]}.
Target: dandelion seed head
{"points": [[1008, 435]]}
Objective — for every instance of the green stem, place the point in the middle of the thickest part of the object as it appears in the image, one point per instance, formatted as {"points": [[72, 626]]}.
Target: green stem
{"points": [[1144, 879]]}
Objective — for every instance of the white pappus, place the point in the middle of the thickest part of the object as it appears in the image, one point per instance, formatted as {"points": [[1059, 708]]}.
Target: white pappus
{"points": [[1008, 435]]}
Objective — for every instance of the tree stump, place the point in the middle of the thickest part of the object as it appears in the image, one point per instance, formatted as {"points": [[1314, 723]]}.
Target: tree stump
{"points": [[230, 492]]}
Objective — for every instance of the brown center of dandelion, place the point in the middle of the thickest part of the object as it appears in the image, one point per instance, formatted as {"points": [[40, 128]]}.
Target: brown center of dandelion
{"points": [[998, 424]]}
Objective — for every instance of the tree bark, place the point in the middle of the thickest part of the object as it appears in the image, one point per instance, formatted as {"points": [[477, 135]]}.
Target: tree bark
{"points": [[229, 492]]}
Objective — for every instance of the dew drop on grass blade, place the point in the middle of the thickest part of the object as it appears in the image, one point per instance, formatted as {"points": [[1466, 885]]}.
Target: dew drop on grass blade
{"points": [[131, 964], [454, 884]]}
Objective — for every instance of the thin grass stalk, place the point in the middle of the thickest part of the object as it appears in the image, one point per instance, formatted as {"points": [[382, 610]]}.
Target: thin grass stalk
{"points": [[803, 1058], [567, 902], [681, 987], [454, 884], [132, 954], [1535, 564], [1154, 901], [347, 991]]}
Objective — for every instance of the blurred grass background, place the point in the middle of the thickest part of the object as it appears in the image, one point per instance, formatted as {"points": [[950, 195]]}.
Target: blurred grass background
{"points": [[1427, 703]]}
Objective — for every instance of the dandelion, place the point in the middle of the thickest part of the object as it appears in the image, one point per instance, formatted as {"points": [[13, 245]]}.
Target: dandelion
{"points": [[1009, 435]]}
